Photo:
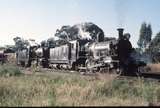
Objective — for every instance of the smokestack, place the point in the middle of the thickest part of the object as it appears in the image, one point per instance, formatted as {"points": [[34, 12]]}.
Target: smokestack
{"points": [[120, 31]]}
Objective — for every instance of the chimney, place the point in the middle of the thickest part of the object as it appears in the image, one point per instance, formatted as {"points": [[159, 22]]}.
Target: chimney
{"points": [[120, 31]]}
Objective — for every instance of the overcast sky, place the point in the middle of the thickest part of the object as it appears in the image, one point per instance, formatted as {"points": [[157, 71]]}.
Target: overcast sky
{"points": [[39, 19]]}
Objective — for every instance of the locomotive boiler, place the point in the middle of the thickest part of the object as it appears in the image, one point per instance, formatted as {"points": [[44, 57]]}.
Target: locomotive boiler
{"points": [[101, 57]]}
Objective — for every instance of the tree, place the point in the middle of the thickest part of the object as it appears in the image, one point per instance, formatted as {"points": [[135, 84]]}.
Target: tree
{"points": [[10, 49], [149, 33], [44, 43], [51, 42], [144, 37], [63, 32], [20, 43], [141, 41], [80, 31], [154, 48]]}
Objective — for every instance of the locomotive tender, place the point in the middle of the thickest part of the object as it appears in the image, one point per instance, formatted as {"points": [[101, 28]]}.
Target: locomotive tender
{"points": [[70, 55], [27, 55], [84, 54]]}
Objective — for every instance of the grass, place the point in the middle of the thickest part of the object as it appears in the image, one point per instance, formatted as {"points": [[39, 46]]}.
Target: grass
{"points": [[9, 70], [60, 89]]}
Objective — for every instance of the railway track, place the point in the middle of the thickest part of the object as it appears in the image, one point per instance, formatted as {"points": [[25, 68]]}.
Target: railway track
{"points": [[153, 75], [145, 75]]}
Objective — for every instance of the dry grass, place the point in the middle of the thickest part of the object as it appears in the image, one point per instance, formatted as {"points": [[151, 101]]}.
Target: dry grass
{"points": [[11, 58], [154, 67], [58, 89]]}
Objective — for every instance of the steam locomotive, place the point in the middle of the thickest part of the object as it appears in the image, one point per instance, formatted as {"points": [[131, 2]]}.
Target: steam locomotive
{"points": [[113, 56]]}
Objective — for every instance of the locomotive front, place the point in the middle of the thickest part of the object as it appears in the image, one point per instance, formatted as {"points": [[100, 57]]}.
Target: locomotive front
{"points": [[110, 55], [127, 55]]}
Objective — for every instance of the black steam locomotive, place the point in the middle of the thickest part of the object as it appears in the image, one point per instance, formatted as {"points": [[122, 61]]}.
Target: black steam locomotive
{"points": [[114, 55]]}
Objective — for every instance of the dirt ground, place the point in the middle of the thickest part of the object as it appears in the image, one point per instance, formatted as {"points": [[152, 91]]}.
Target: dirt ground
{"points": [[154, 67]]}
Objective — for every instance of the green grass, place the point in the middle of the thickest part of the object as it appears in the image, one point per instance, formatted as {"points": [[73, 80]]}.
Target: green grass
{"points": [[9, 70], [60, 89]]}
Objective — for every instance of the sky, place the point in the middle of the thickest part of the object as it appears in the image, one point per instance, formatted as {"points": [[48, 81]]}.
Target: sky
{"points": [[39, 19]]}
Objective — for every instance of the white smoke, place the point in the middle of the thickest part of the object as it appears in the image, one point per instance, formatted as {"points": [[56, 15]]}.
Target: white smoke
{"points": [[146, 58], [56, 38], [82, 32], [141, 57]]}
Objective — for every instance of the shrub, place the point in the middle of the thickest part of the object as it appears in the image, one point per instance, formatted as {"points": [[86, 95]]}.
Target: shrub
{"points": [[8, 70]]}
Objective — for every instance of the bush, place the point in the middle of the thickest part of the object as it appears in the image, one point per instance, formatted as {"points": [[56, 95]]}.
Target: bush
{"points": [[8, 70]]}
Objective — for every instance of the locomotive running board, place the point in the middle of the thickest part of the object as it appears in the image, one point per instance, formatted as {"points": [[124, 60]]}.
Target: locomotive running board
{"points": [[91, 67]]}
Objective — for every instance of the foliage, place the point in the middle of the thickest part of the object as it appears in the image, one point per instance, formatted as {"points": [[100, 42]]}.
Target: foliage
{"points": [[2, 48], [68, 33], [20, 43], [149, 33], [51, 42], [145, 36], [44, 43], [75, 32], [8, 70], [10, 49], [154, 48], [63, 32]]}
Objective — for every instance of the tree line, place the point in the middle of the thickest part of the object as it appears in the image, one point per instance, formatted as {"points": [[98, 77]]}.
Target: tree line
{"points": [[147, 44]]}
